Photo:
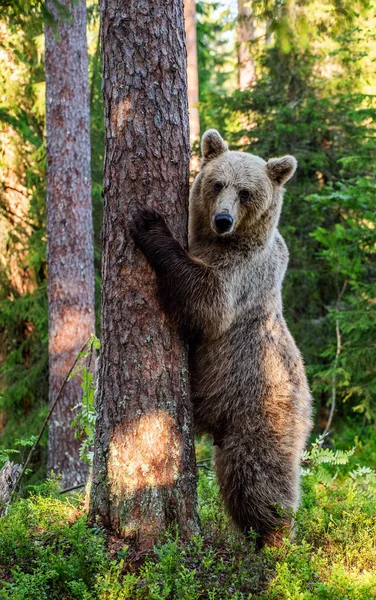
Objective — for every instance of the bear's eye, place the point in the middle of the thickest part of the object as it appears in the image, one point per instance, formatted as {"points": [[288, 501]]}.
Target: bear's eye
{"points": [[244, 195], [218, 187]]}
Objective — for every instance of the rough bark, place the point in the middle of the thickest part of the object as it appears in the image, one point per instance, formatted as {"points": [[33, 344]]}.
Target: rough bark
{"points": [[144, 464], [245, 35], [8, 480], [192, 69], [69, 224]]}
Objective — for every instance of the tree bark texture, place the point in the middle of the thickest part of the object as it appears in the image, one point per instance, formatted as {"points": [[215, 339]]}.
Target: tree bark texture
{"points": [[70, 252], [192, 69], [144, 475], [246, 35]]}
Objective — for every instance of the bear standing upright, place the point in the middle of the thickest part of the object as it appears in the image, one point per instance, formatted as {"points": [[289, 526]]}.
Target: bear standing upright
{"points": [[249, 387]]}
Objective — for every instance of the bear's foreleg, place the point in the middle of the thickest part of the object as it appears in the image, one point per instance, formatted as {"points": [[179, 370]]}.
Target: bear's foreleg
{"points": [[189, 291]]}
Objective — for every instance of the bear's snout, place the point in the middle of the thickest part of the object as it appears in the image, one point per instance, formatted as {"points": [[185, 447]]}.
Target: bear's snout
{"points": [[223, 222]]}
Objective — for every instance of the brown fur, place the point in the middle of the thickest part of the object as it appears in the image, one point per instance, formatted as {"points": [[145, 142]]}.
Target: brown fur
{"points": [[248, 382]]}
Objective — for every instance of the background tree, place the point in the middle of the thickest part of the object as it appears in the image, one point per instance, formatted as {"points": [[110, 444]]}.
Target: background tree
{"points": [[70, 252], [144, 465], [192, 70], [245, 37]]}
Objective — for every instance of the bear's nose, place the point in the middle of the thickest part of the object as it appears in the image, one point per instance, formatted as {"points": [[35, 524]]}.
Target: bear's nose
{"points": [[223, 222]]}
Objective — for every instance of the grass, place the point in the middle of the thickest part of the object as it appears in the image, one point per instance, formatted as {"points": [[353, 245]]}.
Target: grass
{"points": [[47, 551]]}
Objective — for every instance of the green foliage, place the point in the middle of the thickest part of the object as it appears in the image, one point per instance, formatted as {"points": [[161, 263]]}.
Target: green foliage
{"points": [[169, 576], [23, 292], [84, 419], [348, 254], [216, 63], [321, 460], [16, 454], [48, 551], [114, 584]]}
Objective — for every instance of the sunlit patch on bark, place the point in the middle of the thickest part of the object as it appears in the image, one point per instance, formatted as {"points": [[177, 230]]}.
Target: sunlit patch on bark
{"points": [[68, 333], [122, 111], [146, 454]]}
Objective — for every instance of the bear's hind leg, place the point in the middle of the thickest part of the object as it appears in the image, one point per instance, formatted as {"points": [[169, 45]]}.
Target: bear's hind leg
{"points": [[260, 493]]}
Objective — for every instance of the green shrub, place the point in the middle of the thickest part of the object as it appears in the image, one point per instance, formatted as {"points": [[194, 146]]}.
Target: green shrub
{"points": [[47, 550]]}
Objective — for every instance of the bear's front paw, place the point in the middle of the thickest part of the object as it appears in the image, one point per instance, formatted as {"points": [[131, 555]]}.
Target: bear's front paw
{"points": [[146, 221]]}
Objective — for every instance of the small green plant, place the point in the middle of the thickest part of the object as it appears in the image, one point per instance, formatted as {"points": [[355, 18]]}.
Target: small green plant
{"points": [[115, 584], [169, 576], [16, 453], [6, 454], [84, 420], [319, 461]]}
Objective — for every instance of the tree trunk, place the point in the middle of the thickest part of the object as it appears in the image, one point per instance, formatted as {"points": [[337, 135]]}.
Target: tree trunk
{"points": [[192, 69], [144, 463], [69, 224], [246, 35]]}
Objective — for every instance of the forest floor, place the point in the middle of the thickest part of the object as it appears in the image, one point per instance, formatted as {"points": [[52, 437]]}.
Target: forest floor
{"points": [[47, 551]]}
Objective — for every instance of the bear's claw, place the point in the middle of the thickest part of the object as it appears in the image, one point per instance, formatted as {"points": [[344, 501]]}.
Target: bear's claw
{"points": [[145, 220]]}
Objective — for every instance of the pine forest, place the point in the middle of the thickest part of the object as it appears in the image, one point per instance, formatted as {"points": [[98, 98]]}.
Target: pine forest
{"points": [[138, 320]]}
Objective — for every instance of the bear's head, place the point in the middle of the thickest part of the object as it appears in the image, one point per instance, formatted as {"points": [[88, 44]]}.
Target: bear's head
{"points": [[236, 194]]}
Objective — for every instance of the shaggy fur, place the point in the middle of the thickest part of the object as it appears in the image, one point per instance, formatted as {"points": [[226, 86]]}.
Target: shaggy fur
{"points": [[249, 387]]}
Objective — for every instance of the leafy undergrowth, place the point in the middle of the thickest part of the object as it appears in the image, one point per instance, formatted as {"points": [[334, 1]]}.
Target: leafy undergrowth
{"points": [[47, 551]]}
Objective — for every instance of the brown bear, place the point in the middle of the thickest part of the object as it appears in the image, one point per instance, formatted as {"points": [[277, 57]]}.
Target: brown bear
{"points": [[249, 387]]}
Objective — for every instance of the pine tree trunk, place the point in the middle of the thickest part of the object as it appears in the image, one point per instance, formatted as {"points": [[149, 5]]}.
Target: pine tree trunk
{"points": [[246, 34], [144, 464], [69, 225], [192, 69]]}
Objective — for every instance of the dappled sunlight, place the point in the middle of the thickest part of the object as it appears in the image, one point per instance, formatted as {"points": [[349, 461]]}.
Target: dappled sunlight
{"points": [[15, 205], [122, 110], [67, 335], [144, 453], [279, 380]]}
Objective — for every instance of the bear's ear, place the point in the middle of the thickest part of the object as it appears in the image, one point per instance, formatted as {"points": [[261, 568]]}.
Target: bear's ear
{"points": [[281, 169], [212, 145]]}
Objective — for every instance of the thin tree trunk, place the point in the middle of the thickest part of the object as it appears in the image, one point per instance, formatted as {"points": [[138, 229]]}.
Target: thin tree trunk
{"points": [[144, 464], [246, 35], [192, 70], [69, 224]]}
